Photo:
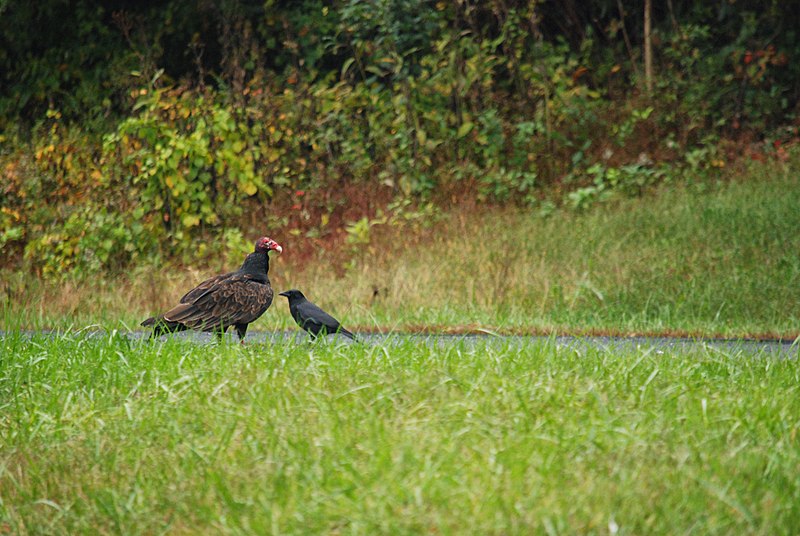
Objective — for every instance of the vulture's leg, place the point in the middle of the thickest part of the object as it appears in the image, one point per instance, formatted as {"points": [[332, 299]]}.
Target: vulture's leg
{"points": [[241, 329]]}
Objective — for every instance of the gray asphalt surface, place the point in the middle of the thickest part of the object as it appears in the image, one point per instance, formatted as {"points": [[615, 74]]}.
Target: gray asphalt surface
{"points": [[779, 348]]}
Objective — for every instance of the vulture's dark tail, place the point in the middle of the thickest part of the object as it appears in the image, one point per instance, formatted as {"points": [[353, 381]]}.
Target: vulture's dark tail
{"points": [[161, 326]]}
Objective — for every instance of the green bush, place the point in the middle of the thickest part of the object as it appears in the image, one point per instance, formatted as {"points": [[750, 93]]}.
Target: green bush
{"points": [[189, 161], [178, 122]]}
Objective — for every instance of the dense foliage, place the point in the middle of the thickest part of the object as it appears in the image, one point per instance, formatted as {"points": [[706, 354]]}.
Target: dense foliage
{"points": [[130, 127]]}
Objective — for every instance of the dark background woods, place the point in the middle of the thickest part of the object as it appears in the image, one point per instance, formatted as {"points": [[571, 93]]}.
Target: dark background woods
{"points": [[130, 127]]}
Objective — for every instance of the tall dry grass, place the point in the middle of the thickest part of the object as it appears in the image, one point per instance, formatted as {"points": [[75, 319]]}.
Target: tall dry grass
{"points": [[713, 259]]}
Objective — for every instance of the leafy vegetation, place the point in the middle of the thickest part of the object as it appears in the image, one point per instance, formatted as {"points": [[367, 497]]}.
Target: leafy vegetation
{"points": [[132, 131], [103, 434], [430, 165], [701, 259]]}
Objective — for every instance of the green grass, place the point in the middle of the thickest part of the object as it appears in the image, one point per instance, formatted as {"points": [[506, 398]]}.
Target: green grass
{"points": [[102, 435], [710, 259], [702, 259]]}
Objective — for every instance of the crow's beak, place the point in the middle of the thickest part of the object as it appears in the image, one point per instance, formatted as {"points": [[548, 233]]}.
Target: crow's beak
{"points": [[286, 294]]}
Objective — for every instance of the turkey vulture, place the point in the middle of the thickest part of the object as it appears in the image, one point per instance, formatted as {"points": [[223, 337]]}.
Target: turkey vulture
{"points": [[232, 299], [311, 318]]}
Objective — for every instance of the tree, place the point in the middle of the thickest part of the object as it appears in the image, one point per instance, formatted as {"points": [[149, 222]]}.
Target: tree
{"points": [[648, 45]]}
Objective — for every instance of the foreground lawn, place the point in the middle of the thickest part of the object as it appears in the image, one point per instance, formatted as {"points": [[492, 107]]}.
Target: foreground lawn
{"points": [[102, 435]]}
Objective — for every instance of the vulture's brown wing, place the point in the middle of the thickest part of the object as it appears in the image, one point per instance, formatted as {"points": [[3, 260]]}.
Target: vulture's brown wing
{"points": [[237, 299], [205, 286]]}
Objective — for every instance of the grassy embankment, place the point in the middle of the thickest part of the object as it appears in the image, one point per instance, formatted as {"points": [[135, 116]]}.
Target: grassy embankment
{"points": [[101, 435], [711, 260]]}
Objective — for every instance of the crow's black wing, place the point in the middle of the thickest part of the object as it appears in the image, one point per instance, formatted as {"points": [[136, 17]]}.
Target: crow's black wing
{"points": [[311, 317]]}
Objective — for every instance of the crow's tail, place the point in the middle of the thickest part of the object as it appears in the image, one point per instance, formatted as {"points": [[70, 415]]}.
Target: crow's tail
{"points": [[348, 334]]}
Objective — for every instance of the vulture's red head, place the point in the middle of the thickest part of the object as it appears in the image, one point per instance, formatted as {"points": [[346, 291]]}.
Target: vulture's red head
{"points": [[267, 244]]}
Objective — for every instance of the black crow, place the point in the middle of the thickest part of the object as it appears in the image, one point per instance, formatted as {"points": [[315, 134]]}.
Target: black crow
{"points": [[311, 318]]}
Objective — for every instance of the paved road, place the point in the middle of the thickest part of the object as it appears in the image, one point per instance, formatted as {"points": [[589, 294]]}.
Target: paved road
{"points": [[657, 344]]}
